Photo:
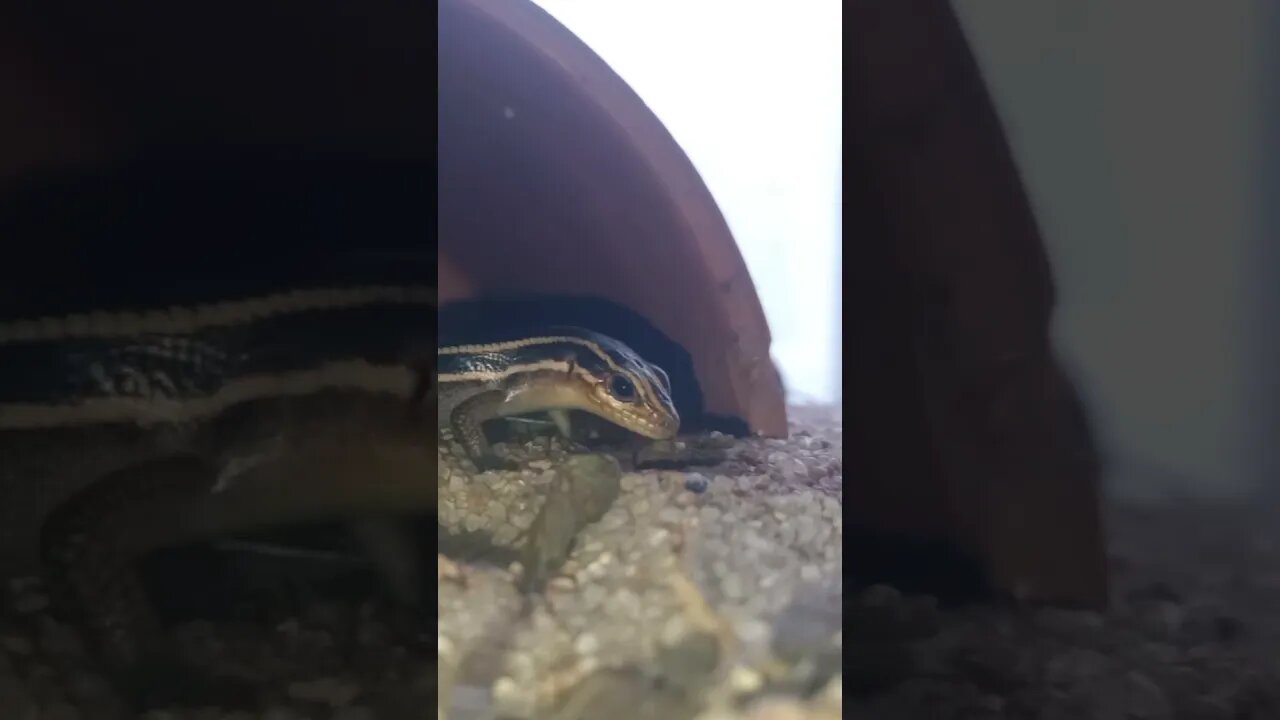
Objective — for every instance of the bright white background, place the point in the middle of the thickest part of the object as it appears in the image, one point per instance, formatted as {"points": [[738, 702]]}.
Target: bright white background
{"points": [[1139, 141], [751, 89]]}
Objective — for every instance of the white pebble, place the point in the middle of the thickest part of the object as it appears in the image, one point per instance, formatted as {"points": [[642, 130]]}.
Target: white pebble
{"points": [[745, 680], [593, 596], [731, 586], [670, 515], [586, 644], [505, 690]]}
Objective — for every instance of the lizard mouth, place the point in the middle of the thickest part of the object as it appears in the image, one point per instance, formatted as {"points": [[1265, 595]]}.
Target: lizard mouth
{"points": [[654, 426]]}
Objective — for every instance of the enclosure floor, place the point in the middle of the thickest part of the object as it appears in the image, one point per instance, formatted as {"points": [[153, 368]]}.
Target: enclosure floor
{"points": [[696, 585], [1193, 633], [701, 589], [714, 593]]}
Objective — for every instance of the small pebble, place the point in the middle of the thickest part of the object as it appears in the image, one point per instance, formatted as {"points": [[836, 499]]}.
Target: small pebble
{"points": [[696, 484], [15, 645], [30, 602], [671, 515], [586, 644], [60, 710], [334, 692]]}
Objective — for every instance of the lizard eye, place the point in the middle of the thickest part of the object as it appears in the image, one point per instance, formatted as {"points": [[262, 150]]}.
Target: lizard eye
{"points": [[622, 388]]}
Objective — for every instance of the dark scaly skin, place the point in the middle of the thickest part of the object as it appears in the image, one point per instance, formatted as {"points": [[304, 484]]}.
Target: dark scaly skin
{"points": [[88, 498], [368, 457], [466, 422]]}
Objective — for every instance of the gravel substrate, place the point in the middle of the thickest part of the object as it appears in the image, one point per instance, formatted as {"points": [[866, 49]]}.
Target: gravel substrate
{"points": [[345, 661], [667, 602], [1193, 633], [572, 589], [580, 587]]}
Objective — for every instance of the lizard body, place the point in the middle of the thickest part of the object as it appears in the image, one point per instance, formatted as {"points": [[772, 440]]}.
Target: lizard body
{"points": [[555, 370], [123, 433]]}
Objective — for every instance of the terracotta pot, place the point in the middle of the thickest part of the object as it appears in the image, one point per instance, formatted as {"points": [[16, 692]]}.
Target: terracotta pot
{"points": [[962, 425], [556, 179]]}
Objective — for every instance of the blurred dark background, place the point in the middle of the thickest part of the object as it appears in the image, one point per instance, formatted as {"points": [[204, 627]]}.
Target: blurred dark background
{"points": [[146, 158]]}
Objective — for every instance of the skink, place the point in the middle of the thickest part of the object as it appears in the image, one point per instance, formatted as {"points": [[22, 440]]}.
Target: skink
{"points": [[554, 370], [124, 432]]}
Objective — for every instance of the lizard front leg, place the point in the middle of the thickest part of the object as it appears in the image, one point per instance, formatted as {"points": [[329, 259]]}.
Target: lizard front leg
{"points": [[91, 548], [466, 420]]}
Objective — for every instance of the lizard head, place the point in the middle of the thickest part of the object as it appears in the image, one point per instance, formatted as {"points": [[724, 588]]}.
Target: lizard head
{"points": [[615, 383]]}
